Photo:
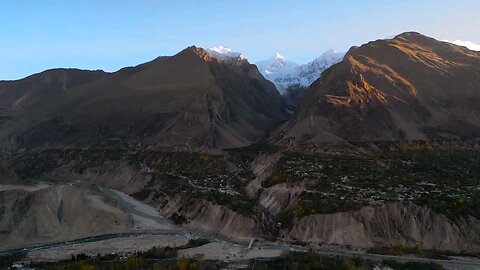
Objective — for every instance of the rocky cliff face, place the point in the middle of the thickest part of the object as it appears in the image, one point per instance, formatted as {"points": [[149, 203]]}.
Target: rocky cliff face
{"points": [[388, 225], [204, 216], [116, 174], [410, 87], [43, 214]]}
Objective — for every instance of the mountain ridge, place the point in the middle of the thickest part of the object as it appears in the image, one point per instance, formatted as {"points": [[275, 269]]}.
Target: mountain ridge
{"points": [[155, 103], [396, 89], [286, 74]]}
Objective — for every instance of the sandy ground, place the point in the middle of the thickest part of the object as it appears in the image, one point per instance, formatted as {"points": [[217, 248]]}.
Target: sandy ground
{"points": [[144, 216], [219, 250], [228, 252], [108, 211], [223, 251], [117, 245], [29, 188]]}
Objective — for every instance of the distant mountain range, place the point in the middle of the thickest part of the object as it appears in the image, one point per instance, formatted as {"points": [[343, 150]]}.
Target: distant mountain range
{"points": [[284, 73]]}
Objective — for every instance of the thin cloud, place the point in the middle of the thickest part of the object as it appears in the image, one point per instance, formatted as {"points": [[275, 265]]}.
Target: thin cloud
{"points": [[469, 44]]}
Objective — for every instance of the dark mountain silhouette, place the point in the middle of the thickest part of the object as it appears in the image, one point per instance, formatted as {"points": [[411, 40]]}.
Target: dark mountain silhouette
{"points": [[188, 101]]}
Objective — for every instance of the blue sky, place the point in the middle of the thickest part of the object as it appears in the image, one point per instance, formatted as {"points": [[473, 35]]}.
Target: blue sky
{"points": [[110, 34]]}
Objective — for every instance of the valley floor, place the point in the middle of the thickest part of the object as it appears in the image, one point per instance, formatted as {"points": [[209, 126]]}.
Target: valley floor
{"points": [[415, 202], [216, 250], [153, 230]]}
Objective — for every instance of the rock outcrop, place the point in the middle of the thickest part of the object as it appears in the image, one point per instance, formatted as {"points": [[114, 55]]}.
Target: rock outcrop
{"points": [[388, 225], [204, 216], [44, 214]]}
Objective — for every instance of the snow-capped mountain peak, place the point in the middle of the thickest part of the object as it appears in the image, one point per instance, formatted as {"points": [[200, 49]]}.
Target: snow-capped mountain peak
{"points": [[314, 69], [275, 64], [224, 51], [330, 56], [284, 73], [225, 54], [330, 52], [279, 57]]}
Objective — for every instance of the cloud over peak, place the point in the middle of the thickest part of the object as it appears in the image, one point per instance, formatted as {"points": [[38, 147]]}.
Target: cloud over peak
{"points": [[469, 44]]}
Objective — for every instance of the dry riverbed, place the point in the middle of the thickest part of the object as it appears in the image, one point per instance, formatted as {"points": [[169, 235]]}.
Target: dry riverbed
{"points": [[221, 251], [117, 245]]}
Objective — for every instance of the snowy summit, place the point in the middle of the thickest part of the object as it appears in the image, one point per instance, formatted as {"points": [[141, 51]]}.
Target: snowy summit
{"points": [[284, 73], [225, 54], [275, 64]]}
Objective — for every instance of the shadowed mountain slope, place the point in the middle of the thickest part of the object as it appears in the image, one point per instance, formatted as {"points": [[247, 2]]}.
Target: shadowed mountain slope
{"points": [[188, 101]]}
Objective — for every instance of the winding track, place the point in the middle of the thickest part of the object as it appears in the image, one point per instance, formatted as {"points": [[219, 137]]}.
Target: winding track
{"points": [[143, 215]]}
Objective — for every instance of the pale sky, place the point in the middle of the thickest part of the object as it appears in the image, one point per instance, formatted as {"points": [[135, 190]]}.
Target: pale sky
{"points": [[110, 34]]}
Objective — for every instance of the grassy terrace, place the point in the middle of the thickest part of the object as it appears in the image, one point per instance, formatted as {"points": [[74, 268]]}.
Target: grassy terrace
{"points": [[213, 178], [448, 181], [216, 178]]}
